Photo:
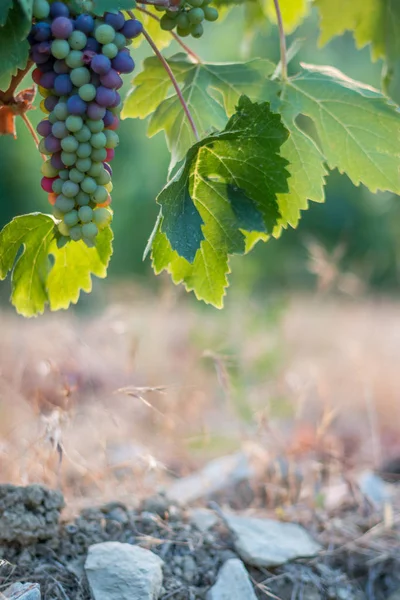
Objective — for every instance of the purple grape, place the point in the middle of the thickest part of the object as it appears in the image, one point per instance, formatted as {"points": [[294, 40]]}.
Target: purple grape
{"points": [[105, 96], [61, 67], [47, 66], [123, 63], [47, 80], [84, 23], [108, 118], [132, 28], [108, 168], [95, 112], [116, 101], [44, 128], [56, 161], [44, 48], [51, 101], [92, 45], [63, 85], [111, 80], [37, 56], [58, 9], [116, 21], [52, 144], [75, 105], [95, 79], [100, 64], [41, 32], [62, 28]]}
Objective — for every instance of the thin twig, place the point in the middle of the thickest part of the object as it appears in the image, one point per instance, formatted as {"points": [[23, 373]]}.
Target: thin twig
{"points": [[173, 81], [176, 37], [29, 125], [282, 40]]}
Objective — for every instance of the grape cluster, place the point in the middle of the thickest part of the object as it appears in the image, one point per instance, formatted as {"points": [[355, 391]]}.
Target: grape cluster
{"points": [[79, 59], [188, 18]]}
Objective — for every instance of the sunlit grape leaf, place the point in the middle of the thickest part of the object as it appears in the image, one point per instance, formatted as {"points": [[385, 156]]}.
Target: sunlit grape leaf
{"points": [[102, 6], [5, 6], [26, 6], [210, 90], [43, 273], [14, 48], [231, 180], [293, 12], [161, 38]]}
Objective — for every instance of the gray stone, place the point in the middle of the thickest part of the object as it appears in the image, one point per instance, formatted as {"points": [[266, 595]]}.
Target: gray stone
{"points": [[203, 518], [374, 488], [269, 543], [395, 595], [23, 591], [118, 571], [233, 583], [214, 477], [189, 568]]}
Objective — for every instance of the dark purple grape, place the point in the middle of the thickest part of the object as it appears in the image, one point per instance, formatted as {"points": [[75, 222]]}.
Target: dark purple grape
{"points": [[52, 144], [37, 56], [75, 105], [100, 64], [92, 45], [132, 28], [56, 161], [108, 168], [47, 66], [105, 96], [59, 9], [63, 85], [62, 27], [84, 23], [95, 112], [47, 80], [116, 21], [111, 80], [41, 32], [123, 63], [61, 67], [44, 128], [51, 101], [44, 48], [108, 118], [116, 101]]}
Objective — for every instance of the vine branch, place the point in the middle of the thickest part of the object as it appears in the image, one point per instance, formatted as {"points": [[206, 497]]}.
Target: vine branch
{"points": [[8, 96], [282, 40]]}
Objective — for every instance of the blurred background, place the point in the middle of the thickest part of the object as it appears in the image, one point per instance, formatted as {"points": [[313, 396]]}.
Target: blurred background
{"points": [[301, 364]]}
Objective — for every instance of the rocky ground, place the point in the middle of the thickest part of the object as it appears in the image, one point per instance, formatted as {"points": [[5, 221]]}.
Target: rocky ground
{"points": [[161, 551]]}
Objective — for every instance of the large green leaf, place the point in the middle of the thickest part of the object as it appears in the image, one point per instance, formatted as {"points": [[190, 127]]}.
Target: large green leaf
{"points": [[227, 186], [5, 6], [38, 279], [14, 48], [210, 91], [102, 6], [26, 6]]}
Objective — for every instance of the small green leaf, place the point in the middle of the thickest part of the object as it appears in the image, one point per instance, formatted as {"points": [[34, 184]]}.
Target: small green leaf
{"points": [[14, 47], [231, 179], [5, 6], [102, 6]]}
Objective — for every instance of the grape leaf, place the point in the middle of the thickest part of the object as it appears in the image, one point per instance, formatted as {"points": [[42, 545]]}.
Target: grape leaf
{"points": [[293, 12], [5, 6], [228, 185], [161, 38], [27, 6], [102, 6], [210, 90], [14, 48], [36, 279]]}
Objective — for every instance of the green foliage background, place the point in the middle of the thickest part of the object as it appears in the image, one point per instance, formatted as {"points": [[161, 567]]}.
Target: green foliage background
{"points": [[367, 224]]}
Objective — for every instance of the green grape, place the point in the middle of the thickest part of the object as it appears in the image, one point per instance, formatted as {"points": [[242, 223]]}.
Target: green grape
{"points": [[76, 233], [74, 123], [64, 204], [63, 229], [60, 49], [76, 176], [197, 30], [83, 135], [100, 195], [104, 34], [68, 158], [195, 3], [119, 41], [196, 15], [88, 185], [40, 9], [61, 111], [95, 126], [83, 164], [63, 240], [85, 214], [42, 147], [58, 213], [57, 186], [159, 8], [183, 32], [183, 21], [89, 230], [104, 177], [84, 150], [112, 138], [95, 169], [98, 140], [77, 40], [59, 130], [102, 217], [71, 218], [48, 170], [70, 189], [99, 154], [52, 118], [110, 50], [82, 199], [167, 23], [69, 144], [87, 92], [64, 174], [74, 59], [210, 13], [80, 76]]}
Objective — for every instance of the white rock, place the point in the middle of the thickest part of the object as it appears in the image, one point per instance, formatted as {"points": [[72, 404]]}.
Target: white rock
{"points": [[22, 591], [203, 519], [233, 583], [268, 543], [118, 571]]}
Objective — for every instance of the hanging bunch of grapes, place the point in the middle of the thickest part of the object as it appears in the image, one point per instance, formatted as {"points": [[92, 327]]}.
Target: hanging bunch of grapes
{"points": [[188, 17], [79, 59]]}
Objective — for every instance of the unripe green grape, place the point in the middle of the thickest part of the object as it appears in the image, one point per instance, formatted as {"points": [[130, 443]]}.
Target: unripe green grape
{"points": [[70, 189], [116, 109], [83, 135], [64, 174], [62, 241], [61, 111], [89, 230], [167, 24], [100, 195], [85, 214], [98, 140], [76, 233], [95, 126], [182, 21], [210, 13], [80, 76], [60, 49], [159, 8], [69, 143], [195, 3], [196, 15], [59, 130], [77, 40], [71, 218], [76, 176], [83, 164], [82, 199], [64, 204], [84, 150], [57, 186], [102, 217], [48, 170], [87, 92], [63, 229], [104, 177], [52, 118], [95, 169], [183, 32], [119, 40], [74, 123], [88, 185], [197, 30], [68, 158], [110, 50], [40, 9], [42, 147], [99, 154], [112, 138], [104, 34], [171, 14], [74, 59], [57, 213]]}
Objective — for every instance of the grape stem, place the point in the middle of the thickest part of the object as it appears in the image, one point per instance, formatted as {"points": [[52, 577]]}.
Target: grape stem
{"points": [[282, 40], [32, 131], [173, 81], [176, 37], [164, 3], [8, 96]]}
